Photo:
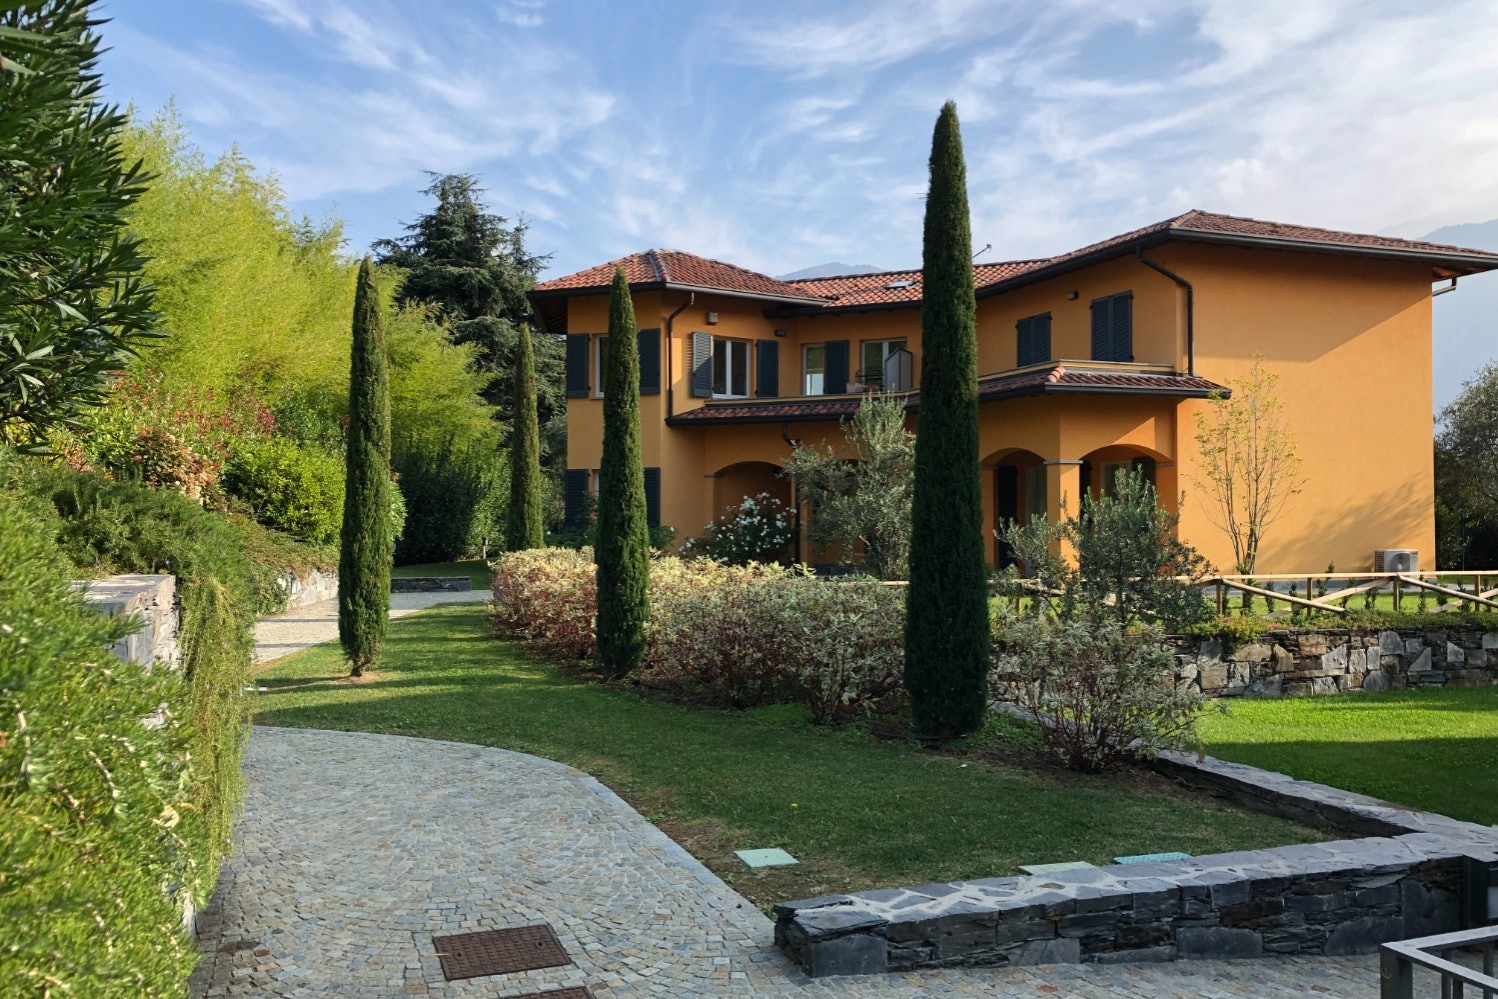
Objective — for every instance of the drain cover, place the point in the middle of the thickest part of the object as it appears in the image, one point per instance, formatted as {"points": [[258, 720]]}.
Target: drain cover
{"points": [[499, 952], [572, 993]]}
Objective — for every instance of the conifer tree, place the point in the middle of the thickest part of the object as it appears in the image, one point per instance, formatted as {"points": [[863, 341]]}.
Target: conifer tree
{"points": [[367, 545], [947, 626], [524, 522], [623, 548]]}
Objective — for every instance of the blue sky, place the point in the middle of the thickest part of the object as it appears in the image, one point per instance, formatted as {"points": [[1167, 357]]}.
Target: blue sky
{"points": [[779, 135]]}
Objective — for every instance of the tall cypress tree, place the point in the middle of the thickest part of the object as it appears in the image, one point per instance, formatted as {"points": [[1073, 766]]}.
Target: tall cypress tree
{"points": [[947, 626], [367, 546], [623, 549], [524, 527]]}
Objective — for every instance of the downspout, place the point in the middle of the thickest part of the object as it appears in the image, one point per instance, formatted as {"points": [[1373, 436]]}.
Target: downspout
{"points": [[796, 499], [670, 379], [1442, 291], [1190, 307]]}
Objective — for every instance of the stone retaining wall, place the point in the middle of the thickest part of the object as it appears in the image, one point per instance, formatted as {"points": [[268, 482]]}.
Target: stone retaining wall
{"points": [[1331, 662], [309, 588], [1341, 897], [431, 584], [154, 599]]}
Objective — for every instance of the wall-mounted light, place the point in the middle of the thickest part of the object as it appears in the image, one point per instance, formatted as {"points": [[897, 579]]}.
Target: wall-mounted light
{"points": [[712, 319], [1071, 296], [780, 332]]}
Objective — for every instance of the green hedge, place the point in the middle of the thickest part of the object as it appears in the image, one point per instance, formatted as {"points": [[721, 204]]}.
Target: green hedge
{"points": [[292, 488], [98, 812]]}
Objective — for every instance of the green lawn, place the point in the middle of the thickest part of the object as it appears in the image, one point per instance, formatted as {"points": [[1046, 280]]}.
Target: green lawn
{"points": [[1433, 749], [476, 569], [858, 812]]}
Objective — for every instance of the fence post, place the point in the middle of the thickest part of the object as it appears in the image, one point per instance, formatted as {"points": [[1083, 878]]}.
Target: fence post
{"points": [[1396, 974], [1396, 593], [1222, 604]]}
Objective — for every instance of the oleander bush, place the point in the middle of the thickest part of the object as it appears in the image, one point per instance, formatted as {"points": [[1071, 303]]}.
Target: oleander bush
{"points": [[1099, 691], [758, 529], [733, 636]]}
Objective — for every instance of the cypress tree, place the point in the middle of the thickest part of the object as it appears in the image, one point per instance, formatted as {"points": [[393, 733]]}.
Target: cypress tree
{"points": [[367, 546], [947, 626], [623, 549], [523, 522]]}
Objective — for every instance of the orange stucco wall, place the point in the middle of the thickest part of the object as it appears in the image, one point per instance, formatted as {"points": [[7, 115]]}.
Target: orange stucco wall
{"points": [[1349, 339]]}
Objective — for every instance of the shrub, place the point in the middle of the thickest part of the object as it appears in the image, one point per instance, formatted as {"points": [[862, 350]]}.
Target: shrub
{"points": [[453, 491], [103, 834], [165, 462], [292, 488], [756, 530], [1099, 693], [734, 636]]}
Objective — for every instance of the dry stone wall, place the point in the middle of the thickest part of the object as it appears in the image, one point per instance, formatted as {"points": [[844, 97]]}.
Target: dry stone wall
{"points": [[1334, 661], [153, 598]]}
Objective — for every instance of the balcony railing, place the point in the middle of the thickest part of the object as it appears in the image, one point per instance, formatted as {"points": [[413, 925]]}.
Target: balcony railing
{"points": [[1398, 961]]}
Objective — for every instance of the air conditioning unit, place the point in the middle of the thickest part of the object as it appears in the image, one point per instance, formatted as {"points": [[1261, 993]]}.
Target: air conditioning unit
{"points": [[1396, 560]]}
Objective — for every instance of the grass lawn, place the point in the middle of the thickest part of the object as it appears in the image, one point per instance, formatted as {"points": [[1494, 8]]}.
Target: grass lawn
{"points": [[1433, 749], [859, 813], [476, 569]]}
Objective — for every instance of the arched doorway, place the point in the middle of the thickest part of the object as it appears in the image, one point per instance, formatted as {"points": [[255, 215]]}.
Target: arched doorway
{"points": [[1019, 492], [1101, 468]]}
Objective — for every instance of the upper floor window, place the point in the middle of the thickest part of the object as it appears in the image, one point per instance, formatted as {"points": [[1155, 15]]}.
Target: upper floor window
{"points": [[600, 365], [1113, 327], [1033, 337], [874, 357], [813, 369], [730, 369]]}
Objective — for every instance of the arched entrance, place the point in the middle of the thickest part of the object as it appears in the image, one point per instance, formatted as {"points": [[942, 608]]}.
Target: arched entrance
{"points": [[1019, 493], [1101, 468]]}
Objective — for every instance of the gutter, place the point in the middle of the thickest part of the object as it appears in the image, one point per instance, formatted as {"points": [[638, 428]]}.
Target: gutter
{"points": [[1190, 306], [670, 378]]}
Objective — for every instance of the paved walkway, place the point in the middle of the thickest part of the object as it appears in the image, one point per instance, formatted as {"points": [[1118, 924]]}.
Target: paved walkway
{"points": [[355, 849], [282, 634]]}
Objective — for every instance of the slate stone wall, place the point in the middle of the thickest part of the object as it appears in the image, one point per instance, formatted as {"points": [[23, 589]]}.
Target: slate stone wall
{"points": [[431, 584], [309, 588], [1343, 897], [1332, 662], [154, 599]]}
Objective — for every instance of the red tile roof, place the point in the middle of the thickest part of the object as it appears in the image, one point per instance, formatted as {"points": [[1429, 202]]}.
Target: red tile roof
{"points": [[675, 269], [1040, 381], [897, 289]]}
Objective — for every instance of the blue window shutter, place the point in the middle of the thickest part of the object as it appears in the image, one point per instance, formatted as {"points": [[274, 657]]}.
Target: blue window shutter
{"points": [[767, 362], [650, 362], [835, 367], [1042, 339], [577, 365], [653, 497], [575, 498], [702, 365], [1102, 329], [1123, 327]]}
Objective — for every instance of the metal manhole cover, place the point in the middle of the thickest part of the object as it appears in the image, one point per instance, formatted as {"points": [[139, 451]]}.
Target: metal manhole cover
{"points": [[499, 952], [572, 993]]}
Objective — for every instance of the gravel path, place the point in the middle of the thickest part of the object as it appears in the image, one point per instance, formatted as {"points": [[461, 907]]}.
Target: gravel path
{"points": [[355, 849]]}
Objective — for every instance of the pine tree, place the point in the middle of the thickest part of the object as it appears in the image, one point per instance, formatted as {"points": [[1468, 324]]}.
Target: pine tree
{"points": [[623, 549], [367, 546], [947, 625], [524, 523]]}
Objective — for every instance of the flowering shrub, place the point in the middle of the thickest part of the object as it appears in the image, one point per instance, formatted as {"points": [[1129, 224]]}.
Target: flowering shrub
{"points": [[1098, 692], [164, 461], [756, 530], [737, 636]]}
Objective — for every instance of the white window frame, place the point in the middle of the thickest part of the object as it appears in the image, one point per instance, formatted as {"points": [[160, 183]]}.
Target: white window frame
{"points": [[598, 341], [806, 374], [728, 367]]}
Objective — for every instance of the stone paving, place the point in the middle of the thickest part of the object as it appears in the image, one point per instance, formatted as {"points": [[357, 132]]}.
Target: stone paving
{"points": [[354, 849], [282, 634]]}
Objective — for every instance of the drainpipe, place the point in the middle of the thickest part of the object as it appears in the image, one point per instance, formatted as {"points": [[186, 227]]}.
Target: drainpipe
{"points": [[1442, 291], [670, 380], [1190, 307], [795, 498]]}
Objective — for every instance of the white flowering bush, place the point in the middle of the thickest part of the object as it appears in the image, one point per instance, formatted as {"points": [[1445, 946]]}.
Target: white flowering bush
{"points": [[758, 529]]}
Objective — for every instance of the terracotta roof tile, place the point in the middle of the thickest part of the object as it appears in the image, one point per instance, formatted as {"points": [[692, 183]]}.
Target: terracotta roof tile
{"points": [[1058, 379], [892, 287], [673, 267]]}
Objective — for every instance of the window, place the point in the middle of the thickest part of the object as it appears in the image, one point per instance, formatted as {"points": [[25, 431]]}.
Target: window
{"points": [[813, 369], [874, 354], [600, 357], [1113, 327], [730, 369], [1033, 338]]}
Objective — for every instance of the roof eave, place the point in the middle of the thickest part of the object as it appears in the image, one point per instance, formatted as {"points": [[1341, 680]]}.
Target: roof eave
{"points": [[1464, 263], [671, 286]]}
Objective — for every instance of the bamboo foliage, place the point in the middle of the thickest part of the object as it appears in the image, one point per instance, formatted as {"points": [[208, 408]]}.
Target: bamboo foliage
{"points": [[1249, 467]]}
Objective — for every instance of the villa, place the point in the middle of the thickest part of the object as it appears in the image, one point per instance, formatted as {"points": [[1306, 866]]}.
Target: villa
{"points": [[1089, 362]]}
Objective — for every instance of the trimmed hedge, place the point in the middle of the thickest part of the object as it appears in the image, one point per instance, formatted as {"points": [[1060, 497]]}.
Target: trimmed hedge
{"points": [[292, 488], [103, 830], [734, 636]]}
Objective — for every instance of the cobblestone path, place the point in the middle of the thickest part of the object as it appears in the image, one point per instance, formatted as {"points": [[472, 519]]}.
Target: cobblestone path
{"points": [[354, 849]]}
